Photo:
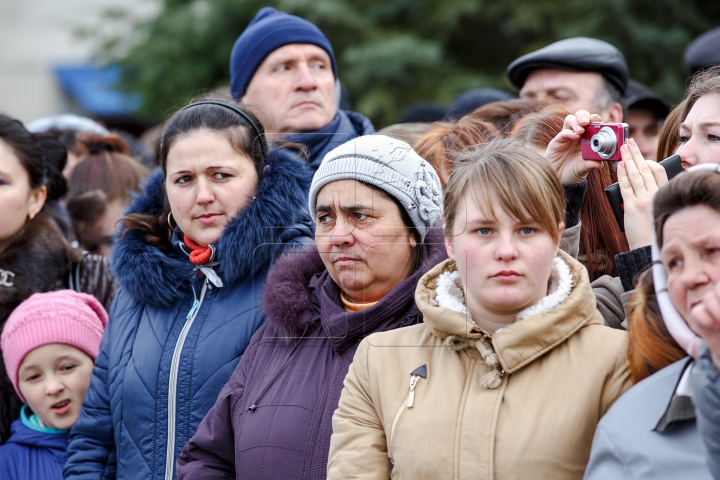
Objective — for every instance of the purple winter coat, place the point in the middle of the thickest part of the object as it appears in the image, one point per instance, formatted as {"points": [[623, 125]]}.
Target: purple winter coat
{"points": [[273, 419]]}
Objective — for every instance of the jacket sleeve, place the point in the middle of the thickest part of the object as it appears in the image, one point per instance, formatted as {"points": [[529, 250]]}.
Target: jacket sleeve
{"points": [[610, 300], [358, 446], [606, 460], [618, 379], [706, 397], [91, 452], [210, 453]]}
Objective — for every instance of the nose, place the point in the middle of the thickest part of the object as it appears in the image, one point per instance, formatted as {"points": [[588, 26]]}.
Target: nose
{"points": [[53, 386], [204, 192], [688, 152], [305, 80], [693, 273], [342, 234], [506, 248]]}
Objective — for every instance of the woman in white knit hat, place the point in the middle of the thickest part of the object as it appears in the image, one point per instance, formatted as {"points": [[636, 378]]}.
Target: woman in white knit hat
{"points": [[376, 204]]}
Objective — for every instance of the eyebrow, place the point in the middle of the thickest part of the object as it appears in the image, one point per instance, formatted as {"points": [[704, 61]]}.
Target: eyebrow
{"points": [[208, 169], [701, 125], [343, 208]]}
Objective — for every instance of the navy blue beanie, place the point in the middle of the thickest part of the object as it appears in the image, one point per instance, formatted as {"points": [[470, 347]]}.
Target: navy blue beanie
{"points": [[267, 32]]}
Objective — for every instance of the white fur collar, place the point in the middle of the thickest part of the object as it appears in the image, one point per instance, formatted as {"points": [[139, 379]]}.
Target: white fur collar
{"points": [[449, 293]]}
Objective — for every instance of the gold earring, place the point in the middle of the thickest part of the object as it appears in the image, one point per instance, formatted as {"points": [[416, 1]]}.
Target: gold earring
{"points": [[170, 222]]}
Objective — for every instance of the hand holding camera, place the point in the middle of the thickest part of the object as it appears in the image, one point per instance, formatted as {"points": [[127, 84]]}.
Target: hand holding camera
{"points": [[564, 152]]}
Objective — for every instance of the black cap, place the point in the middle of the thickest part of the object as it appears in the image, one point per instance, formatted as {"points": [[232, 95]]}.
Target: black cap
{"points": [[473, 99], [638, 96], [703, 52], [578, 54], [425, 112]]}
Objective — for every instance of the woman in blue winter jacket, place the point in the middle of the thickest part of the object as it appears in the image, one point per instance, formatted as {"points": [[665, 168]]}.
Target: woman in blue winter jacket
{"points": [[191, 260]]}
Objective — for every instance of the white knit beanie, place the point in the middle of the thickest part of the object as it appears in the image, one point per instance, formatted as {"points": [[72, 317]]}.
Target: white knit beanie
{"points": [[390, 165]]}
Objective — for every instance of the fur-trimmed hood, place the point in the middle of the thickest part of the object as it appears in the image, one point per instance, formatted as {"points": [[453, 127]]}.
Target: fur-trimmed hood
{"points": [[291, 297], [36, 261], [275, 217]]}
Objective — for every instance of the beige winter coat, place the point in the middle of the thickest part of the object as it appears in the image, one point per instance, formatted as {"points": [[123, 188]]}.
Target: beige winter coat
{"points": [[558, 372]]}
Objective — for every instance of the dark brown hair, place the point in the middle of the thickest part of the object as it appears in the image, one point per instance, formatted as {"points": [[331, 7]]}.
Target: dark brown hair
{"points": [[705, 82], [650, 346], [221, 119], [669, 139], [445, 140], [600, 236]]}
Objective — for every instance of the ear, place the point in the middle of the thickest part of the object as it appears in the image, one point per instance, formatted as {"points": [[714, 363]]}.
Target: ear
{"points": [[561, 229], [449, 247], [615, 114], [37, 200]]}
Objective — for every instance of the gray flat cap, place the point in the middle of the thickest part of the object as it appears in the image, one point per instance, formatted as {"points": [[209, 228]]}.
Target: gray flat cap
{"points": [[578, 54]]}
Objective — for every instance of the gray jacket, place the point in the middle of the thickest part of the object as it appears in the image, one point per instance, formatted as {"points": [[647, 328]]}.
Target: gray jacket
{"points": [[650, 433], [706, 397]]}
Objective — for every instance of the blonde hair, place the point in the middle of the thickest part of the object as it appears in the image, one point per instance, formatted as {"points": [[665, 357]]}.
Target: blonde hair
{"points": [[524, 183]]}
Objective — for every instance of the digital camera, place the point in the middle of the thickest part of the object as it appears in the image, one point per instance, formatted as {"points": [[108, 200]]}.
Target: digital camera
{"points": [[602, 141]]}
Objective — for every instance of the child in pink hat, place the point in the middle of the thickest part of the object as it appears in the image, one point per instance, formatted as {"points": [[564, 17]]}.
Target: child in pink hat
{"points": [[49, 344]]}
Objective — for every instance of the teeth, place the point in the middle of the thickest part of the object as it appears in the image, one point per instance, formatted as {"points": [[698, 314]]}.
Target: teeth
{"points": [[61, 404]]}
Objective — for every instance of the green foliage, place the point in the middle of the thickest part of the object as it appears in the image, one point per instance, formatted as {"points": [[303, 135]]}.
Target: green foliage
{"points": [[393, 53]]}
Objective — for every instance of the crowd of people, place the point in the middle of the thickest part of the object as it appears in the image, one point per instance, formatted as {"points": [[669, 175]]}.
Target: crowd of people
{"points": [[285, 293]]}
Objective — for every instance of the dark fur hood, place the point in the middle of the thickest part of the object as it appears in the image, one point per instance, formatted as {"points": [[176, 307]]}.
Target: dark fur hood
{"points": [[160, 279], [289, 299], [36, 261]]}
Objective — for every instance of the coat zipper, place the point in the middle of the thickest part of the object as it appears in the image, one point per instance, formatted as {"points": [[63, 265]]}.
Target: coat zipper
{"points": [[414, 379], [172, 388]]}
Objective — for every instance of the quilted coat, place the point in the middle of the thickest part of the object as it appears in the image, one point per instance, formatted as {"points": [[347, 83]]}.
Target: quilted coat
{"points": [[174, 337]]}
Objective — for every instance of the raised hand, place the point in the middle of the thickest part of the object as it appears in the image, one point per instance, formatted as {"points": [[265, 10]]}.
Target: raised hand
{"points": [[563, 151]]}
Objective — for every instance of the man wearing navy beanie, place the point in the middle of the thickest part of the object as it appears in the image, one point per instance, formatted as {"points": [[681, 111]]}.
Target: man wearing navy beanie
{"points": [[283, 69]]}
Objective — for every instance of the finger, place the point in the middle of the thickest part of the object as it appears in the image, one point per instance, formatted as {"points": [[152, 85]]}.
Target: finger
{"points": [[712, 307], [593, 164], [633, 174], [626, 189], [659, 173], [572, 123], [583, 117], [595, 118], [642, 166]]}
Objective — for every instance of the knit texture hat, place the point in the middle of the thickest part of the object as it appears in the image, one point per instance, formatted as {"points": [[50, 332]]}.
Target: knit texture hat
{"points": [[390, 165], [65, 316], [267, 32]]}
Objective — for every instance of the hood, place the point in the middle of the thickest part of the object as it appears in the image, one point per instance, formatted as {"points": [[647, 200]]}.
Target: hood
{"points": [[22, 435], [538, 329], [276, 215], [292, 297]]}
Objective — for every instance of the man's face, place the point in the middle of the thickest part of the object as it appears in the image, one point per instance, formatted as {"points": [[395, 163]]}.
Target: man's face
{"points": [[645, 129], [293, 90], [574, 90]]}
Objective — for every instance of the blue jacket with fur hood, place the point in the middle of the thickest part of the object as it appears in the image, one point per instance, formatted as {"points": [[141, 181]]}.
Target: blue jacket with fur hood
{"points": [[174, 338]]}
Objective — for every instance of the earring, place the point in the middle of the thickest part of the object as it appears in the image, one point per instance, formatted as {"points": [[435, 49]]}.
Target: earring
{"points": [[170, 222]]}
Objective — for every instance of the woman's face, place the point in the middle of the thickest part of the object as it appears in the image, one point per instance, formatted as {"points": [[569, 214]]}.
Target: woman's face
{"points": [[700, 132], [17, 199], [362, 240], [208, 184], [504, 264], [691, 256]]}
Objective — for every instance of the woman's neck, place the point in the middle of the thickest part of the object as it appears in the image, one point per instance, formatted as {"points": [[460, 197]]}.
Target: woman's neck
{"points": [[491, 322]]}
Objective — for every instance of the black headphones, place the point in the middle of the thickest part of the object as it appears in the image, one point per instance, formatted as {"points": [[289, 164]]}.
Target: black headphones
{"points": [[242, 113]]}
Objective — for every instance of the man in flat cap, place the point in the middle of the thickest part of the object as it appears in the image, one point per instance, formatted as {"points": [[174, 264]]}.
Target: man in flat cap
{"points": [[283, 69], [580, 73]]}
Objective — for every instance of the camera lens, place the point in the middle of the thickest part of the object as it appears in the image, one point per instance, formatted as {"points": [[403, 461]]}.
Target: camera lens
{"points": [[604, 143]]}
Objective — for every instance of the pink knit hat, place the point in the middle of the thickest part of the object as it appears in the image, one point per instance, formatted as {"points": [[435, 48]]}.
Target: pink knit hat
{"points": [[65, 316]]}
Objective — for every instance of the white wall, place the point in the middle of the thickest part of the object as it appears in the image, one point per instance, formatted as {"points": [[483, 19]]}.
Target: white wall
{"points": [[37, 35]]}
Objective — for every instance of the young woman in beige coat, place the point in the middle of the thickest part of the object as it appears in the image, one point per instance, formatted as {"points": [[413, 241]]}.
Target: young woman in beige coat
{"points": [[512, 368]]}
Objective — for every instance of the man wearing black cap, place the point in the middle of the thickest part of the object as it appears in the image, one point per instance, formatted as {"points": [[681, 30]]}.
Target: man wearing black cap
{"points": [[645, 114], [580, 73]]}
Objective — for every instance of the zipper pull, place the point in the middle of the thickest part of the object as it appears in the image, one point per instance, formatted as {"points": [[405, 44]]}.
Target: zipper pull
{"points": [[413, 381], [193, 309]]}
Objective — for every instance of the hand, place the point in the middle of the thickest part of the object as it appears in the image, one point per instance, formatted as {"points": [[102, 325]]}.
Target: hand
{"points": [[639, 179], [563, 151], [706, 322]]}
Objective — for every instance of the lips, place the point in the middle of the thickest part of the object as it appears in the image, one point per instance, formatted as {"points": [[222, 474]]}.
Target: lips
{"points": [[345, 261], [61, 407], [507, 276], [208, 218]]}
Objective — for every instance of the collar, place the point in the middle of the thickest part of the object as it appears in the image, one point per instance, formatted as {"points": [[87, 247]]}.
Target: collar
{"points": [[680, 408], [524, 341], [33, 422]]}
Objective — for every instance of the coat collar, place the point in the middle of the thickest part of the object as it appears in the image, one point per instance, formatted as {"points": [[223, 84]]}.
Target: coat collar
{"points": [[299, 291], [249, 243], [526, 340], [680, 408]]}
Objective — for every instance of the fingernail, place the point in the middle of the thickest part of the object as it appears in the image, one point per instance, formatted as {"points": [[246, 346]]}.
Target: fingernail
{"points": [[584, 119], [631, 141]]}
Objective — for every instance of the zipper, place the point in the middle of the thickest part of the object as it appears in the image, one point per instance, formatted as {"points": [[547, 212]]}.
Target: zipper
{"points": [[172, 387], [415, 376]]}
